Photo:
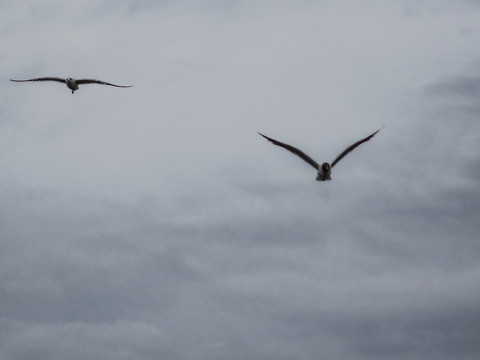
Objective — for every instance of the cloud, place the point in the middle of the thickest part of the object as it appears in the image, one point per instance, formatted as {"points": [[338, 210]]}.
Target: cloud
{"points": [[462, 87], [154, 222]]}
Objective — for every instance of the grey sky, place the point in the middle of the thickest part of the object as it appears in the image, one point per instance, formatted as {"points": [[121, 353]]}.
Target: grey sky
{"points": [[155, 223]]}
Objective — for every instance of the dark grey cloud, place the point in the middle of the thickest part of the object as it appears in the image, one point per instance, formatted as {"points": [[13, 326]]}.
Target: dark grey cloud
{"points": [[458, 97], [463, 86]]}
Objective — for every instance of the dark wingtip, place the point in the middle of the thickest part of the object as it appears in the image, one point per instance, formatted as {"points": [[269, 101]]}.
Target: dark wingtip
{"points": [[266, 137], [380, 129], [375, 133]]}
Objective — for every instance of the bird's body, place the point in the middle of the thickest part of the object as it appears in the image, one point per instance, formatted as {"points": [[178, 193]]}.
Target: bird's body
{"points": [[323, 171], [71, 83]]}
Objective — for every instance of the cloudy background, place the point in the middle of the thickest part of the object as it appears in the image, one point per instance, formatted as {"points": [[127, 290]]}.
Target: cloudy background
{"points": [[154, 223]]}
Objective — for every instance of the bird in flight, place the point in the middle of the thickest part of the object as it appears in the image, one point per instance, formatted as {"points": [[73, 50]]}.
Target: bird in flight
{"points": [[72, 84], [324, 170]]}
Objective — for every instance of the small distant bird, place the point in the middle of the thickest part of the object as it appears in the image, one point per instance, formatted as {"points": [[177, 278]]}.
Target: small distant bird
{"points": [[325, 170], [72, 84]]}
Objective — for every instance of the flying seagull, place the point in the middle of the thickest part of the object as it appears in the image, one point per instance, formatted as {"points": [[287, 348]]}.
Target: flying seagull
{"points": [[72, 84], [325, 169]]}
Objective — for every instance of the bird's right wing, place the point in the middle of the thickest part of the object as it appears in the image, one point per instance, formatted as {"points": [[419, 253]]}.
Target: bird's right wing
{"points": [[42, 79], [293, 150]]}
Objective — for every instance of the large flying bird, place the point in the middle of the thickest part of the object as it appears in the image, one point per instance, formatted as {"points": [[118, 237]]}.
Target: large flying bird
{"points": [[72, 84], [323, 171]]}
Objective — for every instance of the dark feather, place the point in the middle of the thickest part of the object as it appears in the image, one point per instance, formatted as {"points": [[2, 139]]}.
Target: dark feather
{"points": [[294, 150], [352, 147], [42, 79], [93, 81]]}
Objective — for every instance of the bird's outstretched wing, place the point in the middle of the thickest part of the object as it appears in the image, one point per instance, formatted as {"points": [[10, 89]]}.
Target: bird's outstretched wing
{"points": [[352, 147], [93, 81], [57, 79], [294, 150]]}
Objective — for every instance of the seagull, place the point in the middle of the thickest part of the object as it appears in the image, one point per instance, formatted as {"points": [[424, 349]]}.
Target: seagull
{"points": [[72, 84], [325, 169]]}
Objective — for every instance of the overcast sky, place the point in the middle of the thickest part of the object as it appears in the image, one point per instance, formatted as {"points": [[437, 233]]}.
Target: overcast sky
{"points": [[155, 223]]}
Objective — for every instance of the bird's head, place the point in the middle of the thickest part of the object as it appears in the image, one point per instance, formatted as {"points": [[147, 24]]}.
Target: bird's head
{"points": [[326, 167]]}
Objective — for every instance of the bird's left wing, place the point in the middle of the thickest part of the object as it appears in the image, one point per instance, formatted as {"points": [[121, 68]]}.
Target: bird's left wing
{"points": [[352, 147], [93, 81]]}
